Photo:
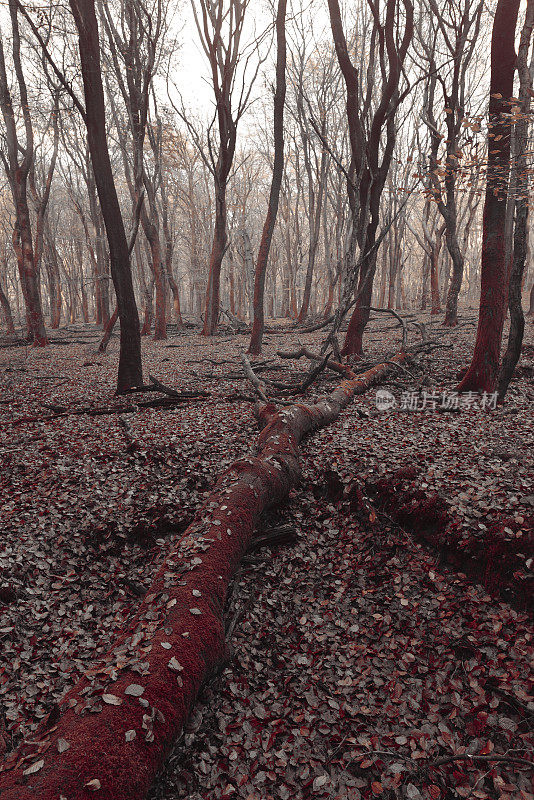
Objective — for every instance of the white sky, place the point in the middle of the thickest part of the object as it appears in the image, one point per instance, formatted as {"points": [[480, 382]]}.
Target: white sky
{"points": [[193, 74]]}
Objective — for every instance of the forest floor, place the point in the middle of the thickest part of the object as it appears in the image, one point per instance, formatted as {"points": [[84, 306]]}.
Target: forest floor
{"points": [[390, 640]]}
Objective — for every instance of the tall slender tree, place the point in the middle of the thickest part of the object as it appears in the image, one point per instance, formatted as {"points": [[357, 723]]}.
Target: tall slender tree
{"points": [[220, 27], [454, 26], [18, 163], [130, 372], [372, 136], [276, 182], [484, 367], [521, 203]]}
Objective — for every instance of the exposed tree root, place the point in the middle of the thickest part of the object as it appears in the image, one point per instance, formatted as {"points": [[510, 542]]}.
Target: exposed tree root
{"points": [[496, 558], [109, 735]]}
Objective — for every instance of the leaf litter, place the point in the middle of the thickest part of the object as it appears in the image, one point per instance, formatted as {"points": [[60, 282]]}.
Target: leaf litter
{"points": [[360, 658]]}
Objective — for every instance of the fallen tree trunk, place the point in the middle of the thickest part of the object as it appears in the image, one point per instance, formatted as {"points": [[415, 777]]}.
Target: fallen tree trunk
{"points": [[109, 735]]}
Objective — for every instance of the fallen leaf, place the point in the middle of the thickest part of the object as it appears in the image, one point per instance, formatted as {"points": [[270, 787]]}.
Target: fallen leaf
{"points": [[134, 690], [112, 699], [34, 768]]}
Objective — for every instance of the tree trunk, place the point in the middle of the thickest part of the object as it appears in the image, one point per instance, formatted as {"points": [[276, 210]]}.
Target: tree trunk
{"points": [[424, 281], [521, 175], [54, 283], [353, 344], [276, 182], [100, 249], [482, 373], [152, 235], [434, 272], [108, 330], [169, 247], [213, 301], [6, 311], [130, 372], [248, 259], [451, 306], [17, 174], [148, 310], [29, 280], [210, 551]]}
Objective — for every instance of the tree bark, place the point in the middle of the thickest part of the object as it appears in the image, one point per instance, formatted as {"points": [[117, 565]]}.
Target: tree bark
{"points": [[434, 275], [17, 174], [6, 311], [108, 330], [276, 182], [130, 369], [521, 187], [482, 373], [457, 259], [151, 230], [218, 249]]}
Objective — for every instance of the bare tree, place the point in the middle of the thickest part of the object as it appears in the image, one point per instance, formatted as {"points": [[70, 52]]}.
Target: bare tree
{"points": [[372, 136], [482, 373], [130, 368], [220, 27], [456, 25], [521, 202], [276, 183], [18, 162]]}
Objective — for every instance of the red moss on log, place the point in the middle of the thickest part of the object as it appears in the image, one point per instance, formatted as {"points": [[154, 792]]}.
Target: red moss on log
{"points": [[111, 732]]}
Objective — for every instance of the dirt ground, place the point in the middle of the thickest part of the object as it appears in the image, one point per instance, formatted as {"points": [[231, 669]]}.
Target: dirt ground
{"points": [[364, 663]]}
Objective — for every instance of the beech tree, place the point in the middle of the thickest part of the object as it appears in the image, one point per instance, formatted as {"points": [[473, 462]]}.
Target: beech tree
{"points": [[130, 372], [520, 200], [220, 28], [18, 163], [372, 135], [456, 26], [484, 367], [276, 183]]}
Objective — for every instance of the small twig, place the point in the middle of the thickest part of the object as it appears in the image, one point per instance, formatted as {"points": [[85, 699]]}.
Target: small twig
{"points": [[131, 441], [440, 762], [466, 757], [313, 374], [258, 385], [401, 321], [394, 363]]}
